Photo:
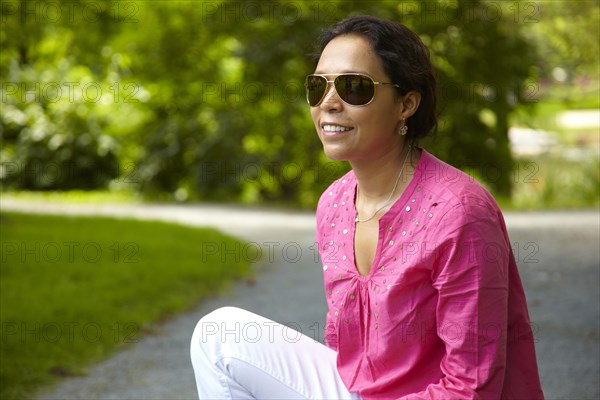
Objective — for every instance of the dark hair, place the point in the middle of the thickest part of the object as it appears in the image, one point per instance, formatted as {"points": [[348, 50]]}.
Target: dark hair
{"points": [[405, 60]]}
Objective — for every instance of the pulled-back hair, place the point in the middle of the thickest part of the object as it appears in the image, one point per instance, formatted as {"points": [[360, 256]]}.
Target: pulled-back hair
{"points": [[405, 60]]}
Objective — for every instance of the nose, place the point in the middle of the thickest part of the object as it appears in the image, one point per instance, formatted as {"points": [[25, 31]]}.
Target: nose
{"points": [[331, 100]]}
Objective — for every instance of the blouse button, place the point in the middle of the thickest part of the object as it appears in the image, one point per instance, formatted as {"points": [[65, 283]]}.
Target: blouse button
{"points": [[345, 231], [344, 258], [382, 268], [351, 297], [430, 215], [407, 208], [324, 267], [335, 205], [391, 242]]}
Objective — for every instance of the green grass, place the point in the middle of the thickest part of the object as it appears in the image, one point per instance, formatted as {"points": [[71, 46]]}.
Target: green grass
{"points": [[73, 289], [75, 196], [551, 182]]}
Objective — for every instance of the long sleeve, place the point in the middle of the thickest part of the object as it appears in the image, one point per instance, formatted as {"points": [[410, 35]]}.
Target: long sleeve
{"points": [[471, 278], [330, 330]]}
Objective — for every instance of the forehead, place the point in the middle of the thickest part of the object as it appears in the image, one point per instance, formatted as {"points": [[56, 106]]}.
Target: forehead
{"points": [[349, 53]]}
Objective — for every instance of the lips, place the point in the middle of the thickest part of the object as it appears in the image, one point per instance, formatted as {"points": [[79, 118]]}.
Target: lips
{"points": [[333, 129]]}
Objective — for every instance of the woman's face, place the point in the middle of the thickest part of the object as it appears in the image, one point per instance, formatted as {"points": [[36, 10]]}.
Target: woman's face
{"points": [[372, 129]]}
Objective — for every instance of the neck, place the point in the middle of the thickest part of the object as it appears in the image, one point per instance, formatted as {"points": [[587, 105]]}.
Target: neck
{"points": [[376, 178]]}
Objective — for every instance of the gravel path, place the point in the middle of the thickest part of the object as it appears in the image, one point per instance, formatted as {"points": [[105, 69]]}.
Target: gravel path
{"points": [[557, 252]]}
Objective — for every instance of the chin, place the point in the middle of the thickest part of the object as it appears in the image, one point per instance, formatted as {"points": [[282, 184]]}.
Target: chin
{"points": [[336, 158], [336, 154]]}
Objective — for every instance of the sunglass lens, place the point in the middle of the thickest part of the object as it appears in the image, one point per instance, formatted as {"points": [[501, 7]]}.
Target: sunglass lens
{"points": [[315, 89], [355, 89]]}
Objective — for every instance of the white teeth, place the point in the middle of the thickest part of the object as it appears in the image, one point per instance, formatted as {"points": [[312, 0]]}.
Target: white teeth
{"points": [[335, 128]]}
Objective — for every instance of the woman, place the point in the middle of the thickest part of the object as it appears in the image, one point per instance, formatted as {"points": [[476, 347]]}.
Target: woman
{"points": [[424, 295]]}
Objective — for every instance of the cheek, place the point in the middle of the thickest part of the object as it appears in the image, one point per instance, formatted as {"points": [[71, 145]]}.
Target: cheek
{"points": [[371, 118], [314, 114], [383, 117], [376, 125]]}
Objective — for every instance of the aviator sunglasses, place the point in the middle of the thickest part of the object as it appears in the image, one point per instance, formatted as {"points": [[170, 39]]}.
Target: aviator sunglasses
{"points": [[353, 89]]}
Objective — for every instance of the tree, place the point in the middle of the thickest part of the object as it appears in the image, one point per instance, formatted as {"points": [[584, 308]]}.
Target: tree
{"points": [[206, 99]]}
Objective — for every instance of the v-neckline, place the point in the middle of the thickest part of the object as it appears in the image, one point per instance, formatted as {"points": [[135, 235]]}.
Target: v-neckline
{"points": [[408, 191]]}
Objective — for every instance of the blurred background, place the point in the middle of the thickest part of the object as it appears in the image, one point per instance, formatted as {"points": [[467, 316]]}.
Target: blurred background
{"points": [[202, 102]]}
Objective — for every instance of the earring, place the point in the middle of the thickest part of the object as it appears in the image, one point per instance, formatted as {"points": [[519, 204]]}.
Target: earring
{"points": [[403, 129]]}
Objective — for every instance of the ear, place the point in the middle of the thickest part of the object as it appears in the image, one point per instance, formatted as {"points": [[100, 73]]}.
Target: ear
{"points": [[409, 104]]}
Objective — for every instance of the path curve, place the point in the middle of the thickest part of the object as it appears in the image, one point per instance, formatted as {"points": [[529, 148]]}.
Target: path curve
{"points": [[558, 258]]}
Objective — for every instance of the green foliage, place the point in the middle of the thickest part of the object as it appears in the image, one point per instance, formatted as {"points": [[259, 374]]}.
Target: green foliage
{"points": [[204, 100], [567, 38], [71, 292], [556, 182]]}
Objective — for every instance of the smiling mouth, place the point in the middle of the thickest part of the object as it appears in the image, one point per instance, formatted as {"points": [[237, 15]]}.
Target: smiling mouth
{"points": [[333, 129]]}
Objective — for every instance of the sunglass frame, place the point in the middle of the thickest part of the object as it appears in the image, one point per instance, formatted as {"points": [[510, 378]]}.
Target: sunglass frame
{"points": [[373, 81]]}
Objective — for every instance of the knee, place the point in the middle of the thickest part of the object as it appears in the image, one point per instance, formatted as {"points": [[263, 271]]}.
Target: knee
{"points": [[225, 314], [210, 327]]}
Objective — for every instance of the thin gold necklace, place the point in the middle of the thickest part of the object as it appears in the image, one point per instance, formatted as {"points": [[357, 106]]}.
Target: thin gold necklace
{"points": [[387, 202]]}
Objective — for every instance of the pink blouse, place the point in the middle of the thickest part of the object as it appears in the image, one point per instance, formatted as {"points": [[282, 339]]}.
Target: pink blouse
{"points": [[442, 313]]}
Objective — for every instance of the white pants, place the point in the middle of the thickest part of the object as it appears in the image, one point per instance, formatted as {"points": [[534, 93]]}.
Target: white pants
{"points": [[240, 355]]}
